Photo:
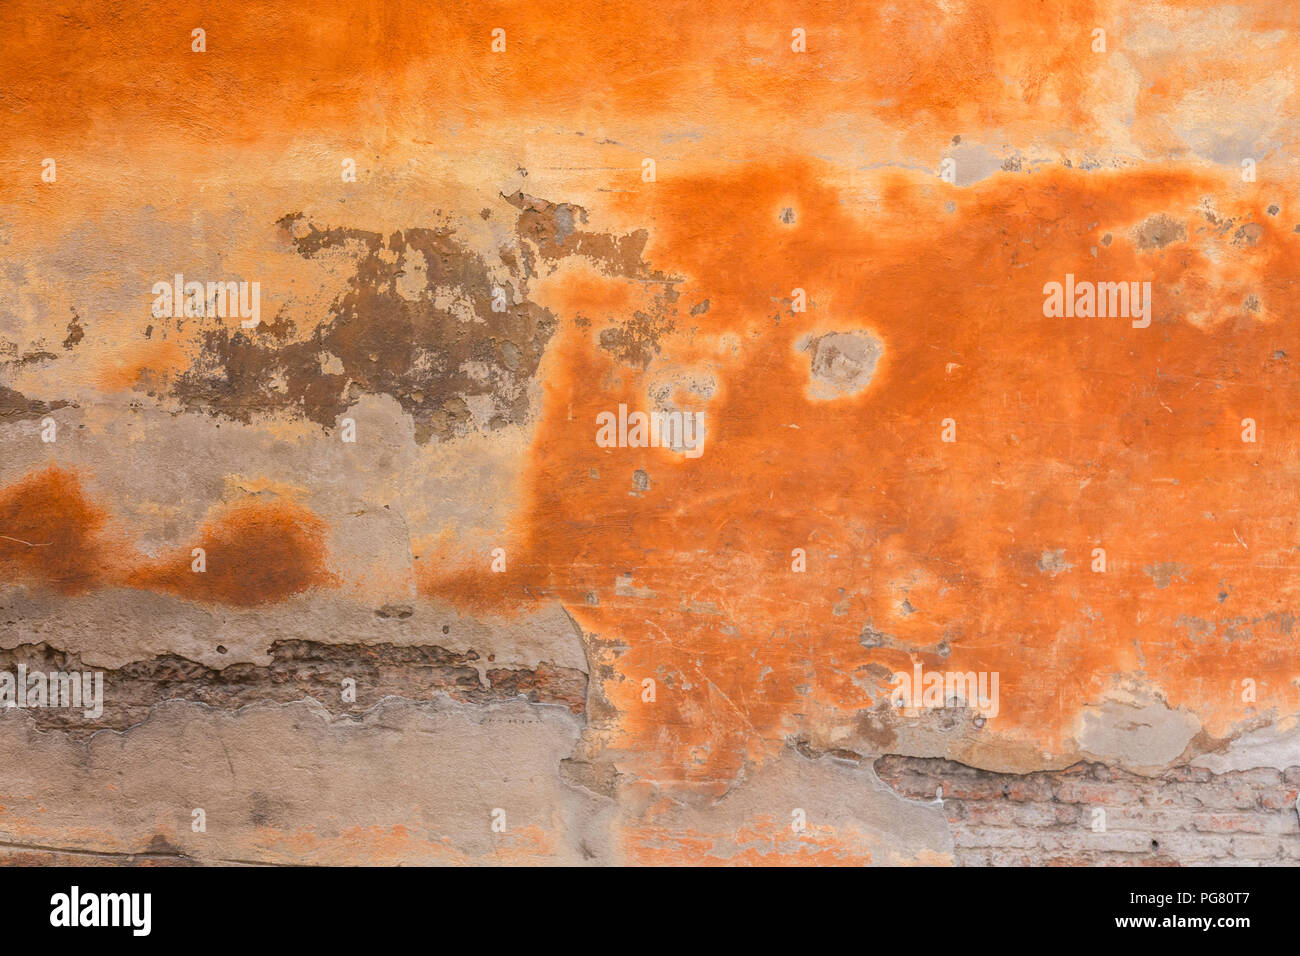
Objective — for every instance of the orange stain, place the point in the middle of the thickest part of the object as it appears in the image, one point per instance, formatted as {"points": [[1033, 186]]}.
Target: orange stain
{"points": [[146, 367], [255, 552], [1073, 434], [51, 532]]}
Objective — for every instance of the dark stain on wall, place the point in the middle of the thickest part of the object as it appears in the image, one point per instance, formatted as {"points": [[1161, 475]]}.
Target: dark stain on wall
{"points": [[389, 336], [299, 669]]}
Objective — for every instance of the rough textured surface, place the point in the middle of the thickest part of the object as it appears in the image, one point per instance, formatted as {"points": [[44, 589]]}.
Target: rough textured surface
{"points": [[363, 579], [1184, 816]]}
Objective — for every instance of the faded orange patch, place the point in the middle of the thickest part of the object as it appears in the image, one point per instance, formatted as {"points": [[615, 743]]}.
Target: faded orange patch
{"points": [[764, 842], [148, 367], [1072, 434]]}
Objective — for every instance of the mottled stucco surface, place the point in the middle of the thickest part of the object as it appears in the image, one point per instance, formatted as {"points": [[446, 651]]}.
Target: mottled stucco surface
{"points": [[438, 621]]}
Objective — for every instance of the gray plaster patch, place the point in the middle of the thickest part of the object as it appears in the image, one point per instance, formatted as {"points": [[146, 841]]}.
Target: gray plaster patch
{"points": [[1053, 562], [831, 793], [407, 782], [972, 163], [104, 628], [842, 363], [1265, 747], [1138, 734]]}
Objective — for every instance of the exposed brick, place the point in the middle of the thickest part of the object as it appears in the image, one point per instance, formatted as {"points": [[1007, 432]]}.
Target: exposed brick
{"points": [[1219, 797], [1081, 839], [1192, 847], [1097, 794], [1046, 814], [1164, 798], [914, 786], [1256, 847], [999, 837], [1035, 788], [955, 810], [1258, 777], [1016, 858], [972, 788], [1147, 819], [1273, 822], [991, 814], [1279, 799], [1100, 771], [1187, 816], [1181, 775]]}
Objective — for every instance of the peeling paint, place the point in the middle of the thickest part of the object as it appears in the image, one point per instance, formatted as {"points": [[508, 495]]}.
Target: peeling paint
{"points": [[389, 486]]}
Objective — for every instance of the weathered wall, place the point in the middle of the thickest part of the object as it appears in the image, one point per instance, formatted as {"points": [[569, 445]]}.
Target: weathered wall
{"points": [[829, 231]]}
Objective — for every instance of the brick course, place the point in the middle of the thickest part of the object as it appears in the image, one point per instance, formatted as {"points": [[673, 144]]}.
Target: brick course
{"points": [[1186, 816]]}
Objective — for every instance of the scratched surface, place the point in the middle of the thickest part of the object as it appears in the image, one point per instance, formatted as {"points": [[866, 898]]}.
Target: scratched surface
{"points": [[826, 232]]}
